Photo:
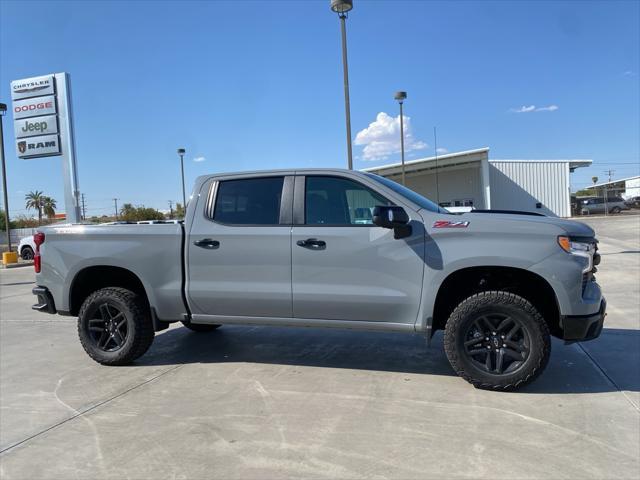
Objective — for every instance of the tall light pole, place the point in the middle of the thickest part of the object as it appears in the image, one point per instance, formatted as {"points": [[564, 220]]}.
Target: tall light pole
{"points": [[341, 7], [115, 203], [3, 111], [181, 152], [400, 97]]}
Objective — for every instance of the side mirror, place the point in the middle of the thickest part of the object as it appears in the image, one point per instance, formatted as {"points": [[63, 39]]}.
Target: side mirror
{"points": [[390, 217]]}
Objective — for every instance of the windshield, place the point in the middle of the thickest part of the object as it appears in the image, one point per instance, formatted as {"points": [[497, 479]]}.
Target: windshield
{"points": [[408, 193]]}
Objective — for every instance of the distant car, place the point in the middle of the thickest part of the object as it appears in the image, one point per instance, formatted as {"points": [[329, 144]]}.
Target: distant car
{"points": [[593, 206], [633, 202], [27, 248]]}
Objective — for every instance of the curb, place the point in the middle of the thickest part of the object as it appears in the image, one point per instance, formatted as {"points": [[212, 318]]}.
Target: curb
{"points": [[17, 265]]}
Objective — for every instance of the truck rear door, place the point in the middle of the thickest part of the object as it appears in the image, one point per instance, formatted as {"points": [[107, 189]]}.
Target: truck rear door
{"points": [[239, 248]]}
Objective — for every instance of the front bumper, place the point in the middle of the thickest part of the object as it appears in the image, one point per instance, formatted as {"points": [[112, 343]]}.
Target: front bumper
{"points": [[580, 328], [45, 300]]}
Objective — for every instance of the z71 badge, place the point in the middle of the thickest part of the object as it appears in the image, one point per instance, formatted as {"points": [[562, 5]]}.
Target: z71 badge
{"points": [[449, 224]]}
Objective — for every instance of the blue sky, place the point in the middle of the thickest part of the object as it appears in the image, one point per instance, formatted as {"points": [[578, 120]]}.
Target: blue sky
{"points": [[258, 84]]}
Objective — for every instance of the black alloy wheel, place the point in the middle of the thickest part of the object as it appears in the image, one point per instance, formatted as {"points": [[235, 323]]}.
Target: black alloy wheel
{"points": [[27, 253], [108, 329], [497, 343]]}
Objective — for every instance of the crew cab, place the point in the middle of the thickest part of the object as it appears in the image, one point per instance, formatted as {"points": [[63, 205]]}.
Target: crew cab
{"points": [[330, 248]]}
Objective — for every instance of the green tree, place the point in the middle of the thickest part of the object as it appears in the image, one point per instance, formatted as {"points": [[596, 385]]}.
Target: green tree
{"points": [[3, 222], [179, 211], [49, 207], [136, 214], [128, 212], [33, 201]]}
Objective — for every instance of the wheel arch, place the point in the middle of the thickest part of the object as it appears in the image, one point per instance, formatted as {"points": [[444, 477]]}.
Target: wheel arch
{"points": [[465, 282], [96, 277]]}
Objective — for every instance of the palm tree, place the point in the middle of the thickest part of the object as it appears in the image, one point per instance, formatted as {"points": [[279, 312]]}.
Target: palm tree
{"points": [[49, 207], [34, 201]]}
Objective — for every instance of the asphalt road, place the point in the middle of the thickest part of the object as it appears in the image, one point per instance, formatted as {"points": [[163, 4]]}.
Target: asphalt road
{"points": [[258, 402]]}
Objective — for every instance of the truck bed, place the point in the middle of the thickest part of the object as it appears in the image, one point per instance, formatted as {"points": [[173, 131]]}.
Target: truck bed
{"points": [[152, 252]]}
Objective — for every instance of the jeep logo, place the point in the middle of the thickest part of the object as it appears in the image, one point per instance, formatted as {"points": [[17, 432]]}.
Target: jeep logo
{"points": [[34, 126]]}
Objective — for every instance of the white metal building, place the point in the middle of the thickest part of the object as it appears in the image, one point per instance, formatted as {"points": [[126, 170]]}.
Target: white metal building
{"points": [[626, 187], [471, 179]]}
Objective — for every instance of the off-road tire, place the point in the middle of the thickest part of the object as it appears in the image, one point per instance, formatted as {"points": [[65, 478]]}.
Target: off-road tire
{"points": [[139, 325], [504, 303], [199, 327]]}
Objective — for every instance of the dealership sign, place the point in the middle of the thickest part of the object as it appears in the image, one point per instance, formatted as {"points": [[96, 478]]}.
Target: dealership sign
{"points": [[29, 127], [43, 126], [35, 115], [31, 87]]}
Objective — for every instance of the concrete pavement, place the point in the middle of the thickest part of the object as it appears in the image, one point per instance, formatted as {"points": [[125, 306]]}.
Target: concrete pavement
{"points": [[259, 402]]}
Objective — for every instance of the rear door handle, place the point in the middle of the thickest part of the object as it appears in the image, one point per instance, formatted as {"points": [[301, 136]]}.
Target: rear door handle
{"points": [[208, 243], [312, 244]]}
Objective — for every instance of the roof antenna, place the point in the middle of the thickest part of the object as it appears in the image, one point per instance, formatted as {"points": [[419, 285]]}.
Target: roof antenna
{"points": [[435, 146]]}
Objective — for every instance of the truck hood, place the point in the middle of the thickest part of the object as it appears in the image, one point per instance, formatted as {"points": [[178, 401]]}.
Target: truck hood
{"points": [[571, 227]]}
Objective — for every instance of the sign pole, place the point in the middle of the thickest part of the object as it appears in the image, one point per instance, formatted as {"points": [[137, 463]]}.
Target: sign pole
{"points": [[69, 165]]}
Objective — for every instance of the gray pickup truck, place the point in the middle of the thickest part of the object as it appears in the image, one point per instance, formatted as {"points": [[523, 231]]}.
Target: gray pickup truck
{"points": [[330, 248]]}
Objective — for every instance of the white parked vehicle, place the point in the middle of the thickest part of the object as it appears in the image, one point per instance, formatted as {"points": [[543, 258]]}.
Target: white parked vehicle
{"points": [[27, 248]]}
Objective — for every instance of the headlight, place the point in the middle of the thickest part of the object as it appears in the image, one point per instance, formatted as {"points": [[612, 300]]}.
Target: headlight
{"points": [[580, 249]]}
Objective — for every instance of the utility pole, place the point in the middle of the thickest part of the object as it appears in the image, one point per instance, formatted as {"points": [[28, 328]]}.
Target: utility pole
{"points": [[610, 173], [84, 207], [170, 208], [115, 201]]}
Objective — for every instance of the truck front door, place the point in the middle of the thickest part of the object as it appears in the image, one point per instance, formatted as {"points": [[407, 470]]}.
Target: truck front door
{"points": [[344, 266]]}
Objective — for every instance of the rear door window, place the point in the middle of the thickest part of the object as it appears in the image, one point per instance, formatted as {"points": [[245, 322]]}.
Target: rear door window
{"points": [[251, 201]]}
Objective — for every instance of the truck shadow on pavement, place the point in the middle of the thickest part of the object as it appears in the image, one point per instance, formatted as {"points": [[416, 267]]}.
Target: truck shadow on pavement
{"points": [[607, 364]]}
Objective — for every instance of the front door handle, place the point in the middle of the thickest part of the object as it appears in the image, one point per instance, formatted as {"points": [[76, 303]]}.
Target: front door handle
{"points": [[312, 244], [207, 243]]}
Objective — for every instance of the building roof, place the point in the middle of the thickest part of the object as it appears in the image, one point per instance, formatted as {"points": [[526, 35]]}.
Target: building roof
{"points": [[446, 160], [460, 158], [612, 182], [573, 164]]}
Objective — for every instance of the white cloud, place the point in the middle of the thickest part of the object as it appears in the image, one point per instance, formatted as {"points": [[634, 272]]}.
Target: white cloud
{"points": [[382, 137], [629, 73], [533, 108], [441, 150], [199, 159]]}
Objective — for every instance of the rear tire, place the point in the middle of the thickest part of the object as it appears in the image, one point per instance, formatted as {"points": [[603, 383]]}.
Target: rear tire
{"points": [[27, 253], [497, 340], [200, 327], [115, 326]]}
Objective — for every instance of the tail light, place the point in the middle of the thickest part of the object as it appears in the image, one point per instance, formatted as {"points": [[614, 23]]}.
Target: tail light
{"points": [[38, 239]]}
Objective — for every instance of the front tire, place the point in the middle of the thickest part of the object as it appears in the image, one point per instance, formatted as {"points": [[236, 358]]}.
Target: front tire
{"points": [[114, 326], [497, 340], [616, 210]]}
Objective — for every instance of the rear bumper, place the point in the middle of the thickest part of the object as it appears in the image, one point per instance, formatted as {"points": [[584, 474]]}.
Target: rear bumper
{"points": [[45, 300], [580, 328]]}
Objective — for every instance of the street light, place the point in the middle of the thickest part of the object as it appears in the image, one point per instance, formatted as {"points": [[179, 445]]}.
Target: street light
{"points": [[400, 97], [181, 152], [341, 7], [3, 111]]}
